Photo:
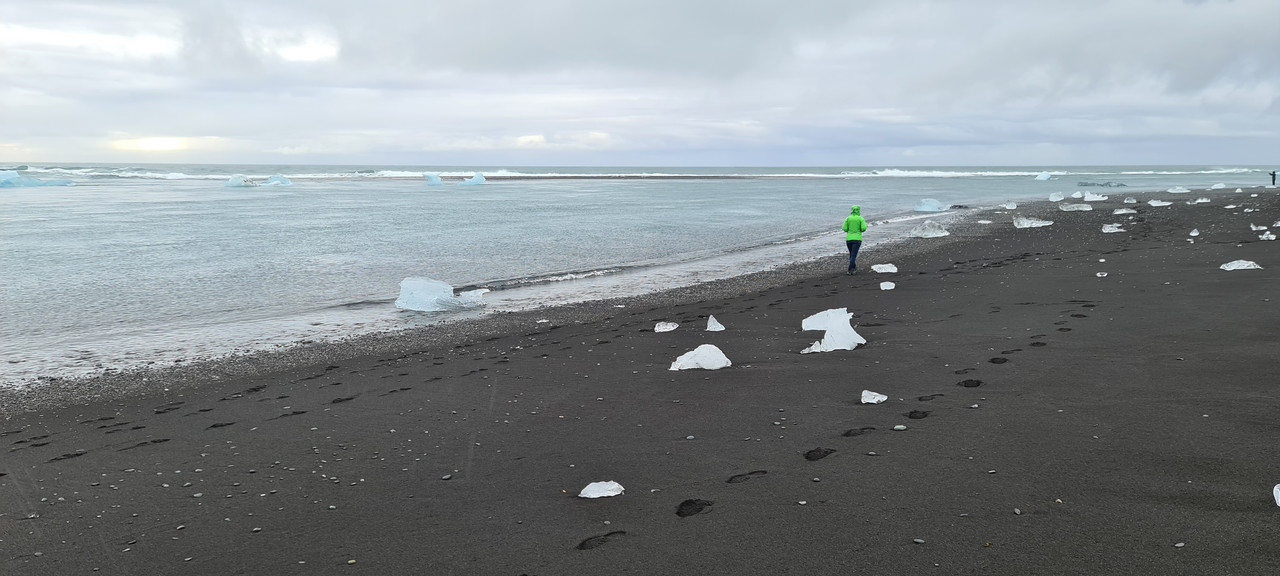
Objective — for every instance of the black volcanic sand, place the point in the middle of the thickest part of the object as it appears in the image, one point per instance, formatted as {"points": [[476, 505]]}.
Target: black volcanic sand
{"points": [[1057, 423]]}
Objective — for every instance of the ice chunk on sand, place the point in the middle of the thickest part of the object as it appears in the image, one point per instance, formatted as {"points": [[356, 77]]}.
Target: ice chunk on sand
{"points": [[705, 357], [1022, 222], [1056, 197], [1218, 186], [11, 179], [601, 490], [1194, 232], [433, 179], [713, 325], [840, 335], [1158, 203], [1101, 274], [1276, 224], [665, 327], [1241, 265], [887, 285], [884, 268], [869, 397], [1199, 201], [929, 229], [1075, 207], [1130, 200], [1177, 190], [1091, 197], [1275, 493], [1010, 205], [1077, 194], [474, 180], [1267, 236], [1044, 176], [984, 221], [1109, 228], [429, 295], [1238, 190], [1256, 228], [239, 181], [1124, 211], [277, 180], [1229, 207], [931, 205]]}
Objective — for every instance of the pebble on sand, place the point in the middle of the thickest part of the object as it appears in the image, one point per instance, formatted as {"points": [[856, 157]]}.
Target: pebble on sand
{"points": [[900, 427]]}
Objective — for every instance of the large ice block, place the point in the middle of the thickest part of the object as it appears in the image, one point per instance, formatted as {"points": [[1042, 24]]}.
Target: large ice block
{"points": [[430, 295], [839, 335]]}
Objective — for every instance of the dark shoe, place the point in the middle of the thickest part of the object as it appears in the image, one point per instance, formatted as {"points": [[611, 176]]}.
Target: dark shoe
{"points": [[851, 273]]}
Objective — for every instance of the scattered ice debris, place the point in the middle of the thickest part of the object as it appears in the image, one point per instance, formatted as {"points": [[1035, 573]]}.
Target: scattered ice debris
{"points": [[1109, 228], [840, 335], [665, 327], [1043, 176], [474, 180], [887, 285], [1158, 203], [601, 490], [1010, 205], [705, 357], [884, 268], [1218, 186], [1177, 190], [929, 229], [11, 179], [1200, 200], [429, 295], [240, 181], [869, 397], [1021, 222], [713, 325], [1055, 197], [931, 205], [433, 179], [1102, 274], [1130, 200], [1267, 236], [1091, 197], [277, 180], [1075, 207], [1194, 232], [1241, 265], [1256, 228], [1119, 211], [1077, 194]]}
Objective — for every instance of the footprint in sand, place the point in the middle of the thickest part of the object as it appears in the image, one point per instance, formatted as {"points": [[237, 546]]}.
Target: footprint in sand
{"points": [[1039, 344], [1064, 329], [998, 360], [744, 477], [693, 506], [964, 370], [929, 397], [219, 425], [917, 414], [818, 454], [597, 541], [970, 383], [1079, 315], [1011, 351], [858, 431]]}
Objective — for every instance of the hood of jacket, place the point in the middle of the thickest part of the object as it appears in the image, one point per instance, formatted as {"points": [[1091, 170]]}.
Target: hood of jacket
{"points": [[856, 210]]}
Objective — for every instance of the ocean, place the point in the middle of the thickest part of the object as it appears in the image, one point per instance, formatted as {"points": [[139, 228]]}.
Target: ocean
{"points": [[147, 265]]}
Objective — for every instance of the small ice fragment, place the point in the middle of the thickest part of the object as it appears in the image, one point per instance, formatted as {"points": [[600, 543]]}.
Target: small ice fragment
{"points": [[869, 397], [1075, 207], [1229, 207], [1247, 210], [601, 490], [1241, 265], [1218, 186], [931, 205], [884, 268], [1267, 236], [1109, 228], [839, 335], [1055, 197], [1239, 190], [1010, 205], [929, 229], [1077, 194], [1276, 224], [1158, 203], [1256, 228], [1043, 176], [433, 178], [1275, 493], [665, 327], [1118, 211], [1130, 200], [1102, 274], [887, 285], [713, 325], [1202, 201], [277, 180], [240, 181], [474, 180], [1253, 195], [984, 221], [1021, 222], [705, 357], [1091, 197], [900, 427], [1194, 232], [429, 295], [1177, 190]]}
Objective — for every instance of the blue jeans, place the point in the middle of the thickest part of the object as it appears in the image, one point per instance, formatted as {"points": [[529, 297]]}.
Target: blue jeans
{"points": [[853, 245]]}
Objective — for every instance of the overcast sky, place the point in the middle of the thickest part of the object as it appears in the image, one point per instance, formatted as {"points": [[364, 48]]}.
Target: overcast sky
{"points": [[646, 82]]}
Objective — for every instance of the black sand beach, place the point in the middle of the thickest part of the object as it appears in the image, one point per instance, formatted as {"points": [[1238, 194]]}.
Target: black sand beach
{"points": [[1058, 422]]}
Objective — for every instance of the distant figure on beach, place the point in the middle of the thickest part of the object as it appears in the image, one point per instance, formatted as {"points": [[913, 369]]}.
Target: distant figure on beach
{"points": [[854, 226], [1273, 177]]}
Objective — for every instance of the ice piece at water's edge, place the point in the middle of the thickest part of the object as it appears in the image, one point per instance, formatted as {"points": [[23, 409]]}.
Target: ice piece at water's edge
{"points": [[430, 295], [931, 205], [929, 229]]}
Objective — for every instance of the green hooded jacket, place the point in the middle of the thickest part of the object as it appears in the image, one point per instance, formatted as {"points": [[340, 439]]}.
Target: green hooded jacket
{"points": [[855, 224]]}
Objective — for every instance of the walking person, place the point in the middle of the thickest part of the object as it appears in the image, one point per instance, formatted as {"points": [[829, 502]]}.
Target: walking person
{"points": [[854, 226]]}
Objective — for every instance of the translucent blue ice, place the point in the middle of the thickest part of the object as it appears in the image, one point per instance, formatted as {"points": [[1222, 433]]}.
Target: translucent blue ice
{"points": [[931, 205], [433, 179], [11, 179], [430, 295], [240, 181], [277, 180], [473, 181]]}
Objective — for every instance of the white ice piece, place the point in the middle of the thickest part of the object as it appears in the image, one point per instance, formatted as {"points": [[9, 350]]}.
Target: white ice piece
{"points": [[474, 180], [1075, 207], [1119, 211], [1276, 224], [1022, 222], [1177, 190], [1241, 265], [1256, 228], [705, 357], [433, 178], [929, 229], [1102, 274], [1253, 195], [1267, 236], [1218, 186], [1158, 203], [839, 335], [240, 181], [665, 327], [429, 295], [884, 268], [601, 489], [1194, 232], [1275, 493], [869, 397], [984, 221], [1238, 190], [931, 205], [1130, 200], [1010, 205], [1077, 194], [1091, 197], [1201, 201], [1109, 228], [277, 180], [1043, 176], [1229, 207], [887, 285], [713, 325], [1055, 197]]}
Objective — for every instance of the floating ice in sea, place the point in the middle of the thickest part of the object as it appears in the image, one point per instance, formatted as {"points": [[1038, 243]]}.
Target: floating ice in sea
{"points": [[1241, 265], [1043, 176], [476, 179], [1177, 190], [11, 179], [430, 295], [869, 397], [1023, 222], [1267, 236], [433, 179], [1130, 200], [1075, 207], [1256, 228], [1077, 194], [277, 180], [1109, 228], [1091, 197], [1124, 211], [1218, 186], [887, 285], [240, 181], [1194, 232], [839, 335], [601, 490], [713, 325], [1010, 205], [928, 229], [705, 357], [665, 327], [1158, 203], [1055, 197], [931, 205], [884, 268]]}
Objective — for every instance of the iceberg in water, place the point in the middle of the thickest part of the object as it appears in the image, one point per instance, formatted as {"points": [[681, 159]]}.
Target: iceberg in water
{"points": [[929, 229], [1091, 197], [11, 179], [1075, 207], [1109, 228], [1056, 197], [475, 180], [884, 268], [1044, 176], [705, 357], [931, 205], [1158, 203], [240, 181], [1241, 265], [433, 179], [887, 285], [1124, 211], [1177, 190], [713, 325], [1022, 222], [277, 180], [665, 327], [428, 295], [840, 335]]}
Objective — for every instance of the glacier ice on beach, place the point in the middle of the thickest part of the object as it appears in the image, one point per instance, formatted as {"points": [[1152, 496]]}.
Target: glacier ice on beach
{"points": [[1229, 207], [240, 181], [665, 327], [931, 205], [474, 180], [1077, 194], [887, 285], [1178, 190], [1075, 207], [430, 295], [1056, 197], [1109, 228], [1158, 203], [929, 229], [1199, 201], [277, 180], [1024, 222], [869, 397], [11, 179], [1010, 205], [1241, 265], [601, 489], [1239, 190], [1043, 176], [704, 357], [839, 335], [1256, 228], [433, 179], [713, 325], [1130, 200], [1124, 211], [1091, 197], [1194, 232], [884, 268], [1267, 236]]}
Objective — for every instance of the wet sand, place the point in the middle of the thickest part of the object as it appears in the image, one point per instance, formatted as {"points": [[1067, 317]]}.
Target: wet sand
{"points": [[1058, 422]]}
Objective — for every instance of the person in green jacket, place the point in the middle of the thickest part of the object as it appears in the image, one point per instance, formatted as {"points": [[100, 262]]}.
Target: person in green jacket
{"points": [[853, 228]]}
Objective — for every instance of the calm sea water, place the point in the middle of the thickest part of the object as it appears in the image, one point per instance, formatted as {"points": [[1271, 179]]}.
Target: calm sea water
{"points": [[156, 263]]}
